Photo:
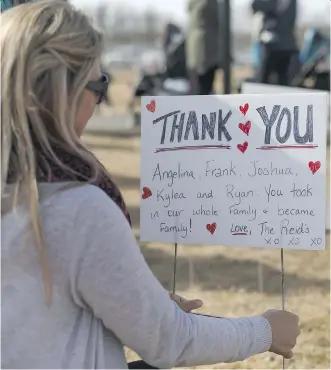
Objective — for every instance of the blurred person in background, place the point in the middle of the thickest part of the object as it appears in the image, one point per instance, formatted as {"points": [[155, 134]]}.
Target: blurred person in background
{"points": [[277, 38], [174, 45], [170, 32], [204, 44]]}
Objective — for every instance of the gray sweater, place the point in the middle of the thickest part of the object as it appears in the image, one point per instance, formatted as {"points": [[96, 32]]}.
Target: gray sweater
{"points": [[104, 295]]}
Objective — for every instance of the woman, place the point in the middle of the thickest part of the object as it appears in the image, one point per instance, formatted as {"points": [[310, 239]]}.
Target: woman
{"points": [[65, 228]]}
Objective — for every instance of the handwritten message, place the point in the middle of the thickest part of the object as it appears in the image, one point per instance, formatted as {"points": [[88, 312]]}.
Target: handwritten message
{"points": [[239, 170]]}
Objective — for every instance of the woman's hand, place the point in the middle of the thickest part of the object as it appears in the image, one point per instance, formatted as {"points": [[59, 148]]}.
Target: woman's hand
{"points": [[184, 304]]}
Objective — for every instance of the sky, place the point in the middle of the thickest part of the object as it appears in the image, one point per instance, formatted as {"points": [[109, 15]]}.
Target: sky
{"points": [[177, 8]]}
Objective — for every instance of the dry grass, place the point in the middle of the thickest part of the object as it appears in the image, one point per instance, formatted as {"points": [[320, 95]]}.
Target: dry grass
{"points": [[226, 279]]}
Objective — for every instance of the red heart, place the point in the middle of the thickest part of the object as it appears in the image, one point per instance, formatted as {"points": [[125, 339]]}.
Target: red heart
{"points": [[244, 109], [147, 192], [245, 127], [314, 166], [151, 106], [243, 147], [211, 227]]}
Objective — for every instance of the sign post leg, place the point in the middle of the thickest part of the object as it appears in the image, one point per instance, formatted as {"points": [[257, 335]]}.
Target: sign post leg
{"points": [[175, 270], [191, 273], [260, 277], [283, 286]]}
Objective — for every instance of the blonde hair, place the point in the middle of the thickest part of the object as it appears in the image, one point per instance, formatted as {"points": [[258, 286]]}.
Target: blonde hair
{"points": [[48, 50]]}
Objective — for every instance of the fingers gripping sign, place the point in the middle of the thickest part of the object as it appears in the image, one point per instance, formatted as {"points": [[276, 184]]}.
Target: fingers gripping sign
{"points": [[185, 304]]}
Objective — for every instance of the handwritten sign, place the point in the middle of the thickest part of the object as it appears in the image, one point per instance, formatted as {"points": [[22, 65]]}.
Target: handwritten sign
{"points": [[257, 88], [239, 170]]}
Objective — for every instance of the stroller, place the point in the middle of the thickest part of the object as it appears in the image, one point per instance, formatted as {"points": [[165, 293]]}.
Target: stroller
{"points": [[170, 80], [313, 62], [311, 66]]}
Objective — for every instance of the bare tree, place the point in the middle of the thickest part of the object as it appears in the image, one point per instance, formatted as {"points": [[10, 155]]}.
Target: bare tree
{"points": [[129, 25], [101, 15], [152, 26]]}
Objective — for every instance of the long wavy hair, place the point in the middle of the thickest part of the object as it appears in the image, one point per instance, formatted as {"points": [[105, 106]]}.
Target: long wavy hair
{"points": [[48, 49]]}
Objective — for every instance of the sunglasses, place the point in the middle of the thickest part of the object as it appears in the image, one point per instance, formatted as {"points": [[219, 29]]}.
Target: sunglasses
{"points": [[99, 88]]}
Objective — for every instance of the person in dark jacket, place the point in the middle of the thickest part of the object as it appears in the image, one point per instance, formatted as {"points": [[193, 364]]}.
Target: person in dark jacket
{"points": [[174, 46], [277, 38], [171, 30]]}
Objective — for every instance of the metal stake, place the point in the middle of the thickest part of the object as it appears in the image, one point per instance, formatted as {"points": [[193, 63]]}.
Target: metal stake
{"points": [[283, 286], [175, 270]]}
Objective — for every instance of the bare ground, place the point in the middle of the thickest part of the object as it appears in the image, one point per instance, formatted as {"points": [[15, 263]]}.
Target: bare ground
{"points": [[226, 278]]}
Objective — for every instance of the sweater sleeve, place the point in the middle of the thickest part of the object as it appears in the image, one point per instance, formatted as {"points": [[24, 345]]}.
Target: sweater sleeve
{"points": [[112, 279]]}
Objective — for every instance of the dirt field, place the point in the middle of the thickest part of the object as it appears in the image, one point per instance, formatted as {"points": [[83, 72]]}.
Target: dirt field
{"points": [[226, 279]]}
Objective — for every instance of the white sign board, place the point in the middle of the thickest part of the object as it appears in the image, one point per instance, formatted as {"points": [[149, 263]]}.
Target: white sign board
{"points": [[258, 88], [239, 170]]}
